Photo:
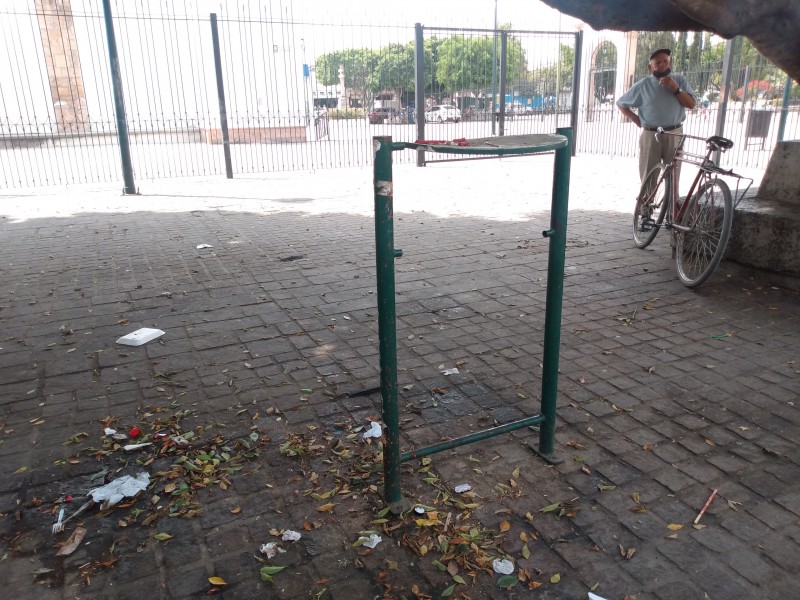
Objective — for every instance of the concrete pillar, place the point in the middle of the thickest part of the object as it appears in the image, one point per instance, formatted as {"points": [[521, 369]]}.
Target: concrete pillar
{"points": [[60, 49]]}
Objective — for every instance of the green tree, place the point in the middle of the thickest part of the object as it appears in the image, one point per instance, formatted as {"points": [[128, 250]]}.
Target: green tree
{"points": [[464, 63], [393, 69], [358, 64]]}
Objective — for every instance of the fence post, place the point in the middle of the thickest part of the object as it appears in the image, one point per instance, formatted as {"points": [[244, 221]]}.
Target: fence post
{"points": [[119, 103], [576, 88], [419, 89], [494, 64], [223, 112], [727, 69], [787, 89], [501, 117]]}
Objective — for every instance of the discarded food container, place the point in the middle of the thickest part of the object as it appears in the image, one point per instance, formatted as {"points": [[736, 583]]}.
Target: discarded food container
{"points": [[124, 487], [140, 336]]}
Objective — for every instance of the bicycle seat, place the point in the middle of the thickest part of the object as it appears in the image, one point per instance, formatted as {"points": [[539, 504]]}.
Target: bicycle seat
{"points": [[718, 142]]}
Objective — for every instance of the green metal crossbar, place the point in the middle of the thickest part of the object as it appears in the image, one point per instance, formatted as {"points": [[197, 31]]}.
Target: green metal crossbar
{"points": [[385, 254]]}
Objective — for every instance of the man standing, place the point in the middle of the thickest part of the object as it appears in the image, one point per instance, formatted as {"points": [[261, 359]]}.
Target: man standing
{"points": [[660, 100]]}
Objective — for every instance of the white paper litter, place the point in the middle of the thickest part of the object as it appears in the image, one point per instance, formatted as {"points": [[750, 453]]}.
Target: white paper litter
{"points": [[270, 549], [419, 510], [460, 489], [595, 597], [290, 536], [204, 246], [124, 487], [180, 440], [371, 541], [503, 566], [130, 447], [140, 336], [453, 371], [109, 431], [374, 431]]}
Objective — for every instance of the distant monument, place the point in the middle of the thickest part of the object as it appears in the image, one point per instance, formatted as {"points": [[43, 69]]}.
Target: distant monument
{"points": [[342, 104]]}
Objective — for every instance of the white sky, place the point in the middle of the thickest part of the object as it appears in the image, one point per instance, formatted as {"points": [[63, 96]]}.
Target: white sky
{"points": [[479, 14]]}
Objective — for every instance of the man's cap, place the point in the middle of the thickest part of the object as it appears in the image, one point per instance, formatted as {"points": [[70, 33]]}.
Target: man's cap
{"points": [[666, 51]]}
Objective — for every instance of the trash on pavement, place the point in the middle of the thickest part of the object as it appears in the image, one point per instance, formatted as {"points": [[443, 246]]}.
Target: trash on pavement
{"points": [[109, 431], [58, 526], [371, 541], [204, 246], [503, 566], [453, 371], [419, 510], [124, 487], [130, 447], [595, 597], [140, 336], [460, 489], [374, 431], [271, 549], [72, 542], [705, 507], [290, 536]]}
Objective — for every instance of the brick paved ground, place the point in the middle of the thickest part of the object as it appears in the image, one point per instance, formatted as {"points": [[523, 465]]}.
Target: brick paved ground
{"points": [[664, 394]]}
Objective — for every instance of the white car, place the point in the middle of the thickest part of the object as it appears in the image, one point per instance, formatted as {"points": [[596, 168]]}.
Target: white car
{"points": [[441, 113]]}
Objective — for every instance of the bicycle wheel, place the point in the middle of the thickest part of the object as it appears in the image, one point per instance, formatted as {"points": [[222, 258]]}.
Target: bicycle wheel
{"points": [[709, 218], [653, 199]]}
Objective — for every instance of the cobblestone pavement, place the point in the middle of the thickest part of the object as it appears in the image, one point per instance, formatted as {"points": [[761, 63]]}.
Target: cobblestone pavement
{"points": [[268, 365]]}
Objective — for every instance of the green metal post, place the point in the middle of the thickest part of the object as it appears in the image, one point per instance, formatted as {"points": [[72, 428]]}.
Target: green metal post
{"points": [[387, 316], [119, 102], [555, 292]]}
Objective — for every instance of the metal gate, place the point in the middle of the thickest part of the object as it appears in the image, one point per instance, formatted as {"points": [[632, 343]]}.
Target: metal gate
{"points": [[304, 95], [475, 83]]}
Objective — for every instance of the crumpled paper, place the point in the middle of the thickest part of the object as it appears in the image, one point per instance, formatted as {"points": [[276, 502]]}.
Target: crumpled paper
{"points": [[124, 487], [374, 431], [371, 541], [503, 566]]}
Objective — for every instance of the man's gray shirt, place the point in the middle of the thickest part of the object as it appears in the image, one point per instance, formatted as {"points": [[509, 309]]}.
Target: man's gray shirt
{"points": [[656, 106]]}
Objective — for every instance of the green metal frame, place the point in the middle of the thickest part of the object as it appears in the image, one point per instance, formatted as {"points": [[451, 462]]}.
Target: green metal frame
{"points": [[385, 254]]}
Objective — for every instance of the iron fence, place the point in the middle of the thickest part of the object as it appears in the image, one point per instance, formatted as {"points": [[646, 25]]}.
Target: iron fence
{"points": [[306, 95]]}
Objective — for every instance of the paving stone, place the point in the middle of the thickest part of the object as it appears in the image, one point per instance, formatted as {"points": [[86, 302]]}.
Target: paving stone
{"points": [[633, 425]]}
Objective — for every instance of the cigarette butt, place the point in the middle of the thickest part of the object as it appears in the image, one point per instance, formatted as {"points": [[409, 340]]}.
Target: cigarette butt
{"points": [[705, 506]]}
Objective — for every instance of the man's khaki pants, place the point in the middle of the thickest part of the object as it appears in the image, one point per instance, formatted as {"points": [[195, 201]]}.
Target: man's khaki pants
{"points": [[652, 152]]}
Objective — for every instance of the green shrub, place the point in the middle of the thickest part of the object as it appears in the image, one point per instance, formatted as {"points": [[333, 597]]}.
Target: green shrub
{"points": [[347, 113]]}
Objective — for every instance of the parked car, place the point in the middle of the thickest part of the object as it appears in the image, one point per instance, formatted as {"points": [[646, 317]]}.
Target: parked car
{"points": [[380, 115], [441, 113]]}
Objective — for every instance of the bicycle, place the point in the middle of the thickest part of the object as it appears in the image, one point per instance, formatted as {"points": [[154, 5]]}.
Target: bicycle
{"points": [[701, 224]]}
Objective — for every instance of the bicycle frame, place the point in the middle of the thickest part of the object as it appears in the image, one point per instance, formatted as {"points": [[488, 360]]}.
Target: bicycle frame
{"points": [[706, 168]]}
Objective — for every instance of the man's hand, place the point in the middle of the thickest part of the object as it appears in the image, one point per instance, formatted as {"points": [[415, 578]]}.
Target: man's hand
{"points": [[669, 83], [630, 114]]}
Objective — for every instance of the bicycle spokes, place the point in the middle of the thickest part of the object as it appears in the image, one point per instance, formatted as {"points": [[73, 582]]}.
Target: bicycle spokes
{"points": [[703, 233]]}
